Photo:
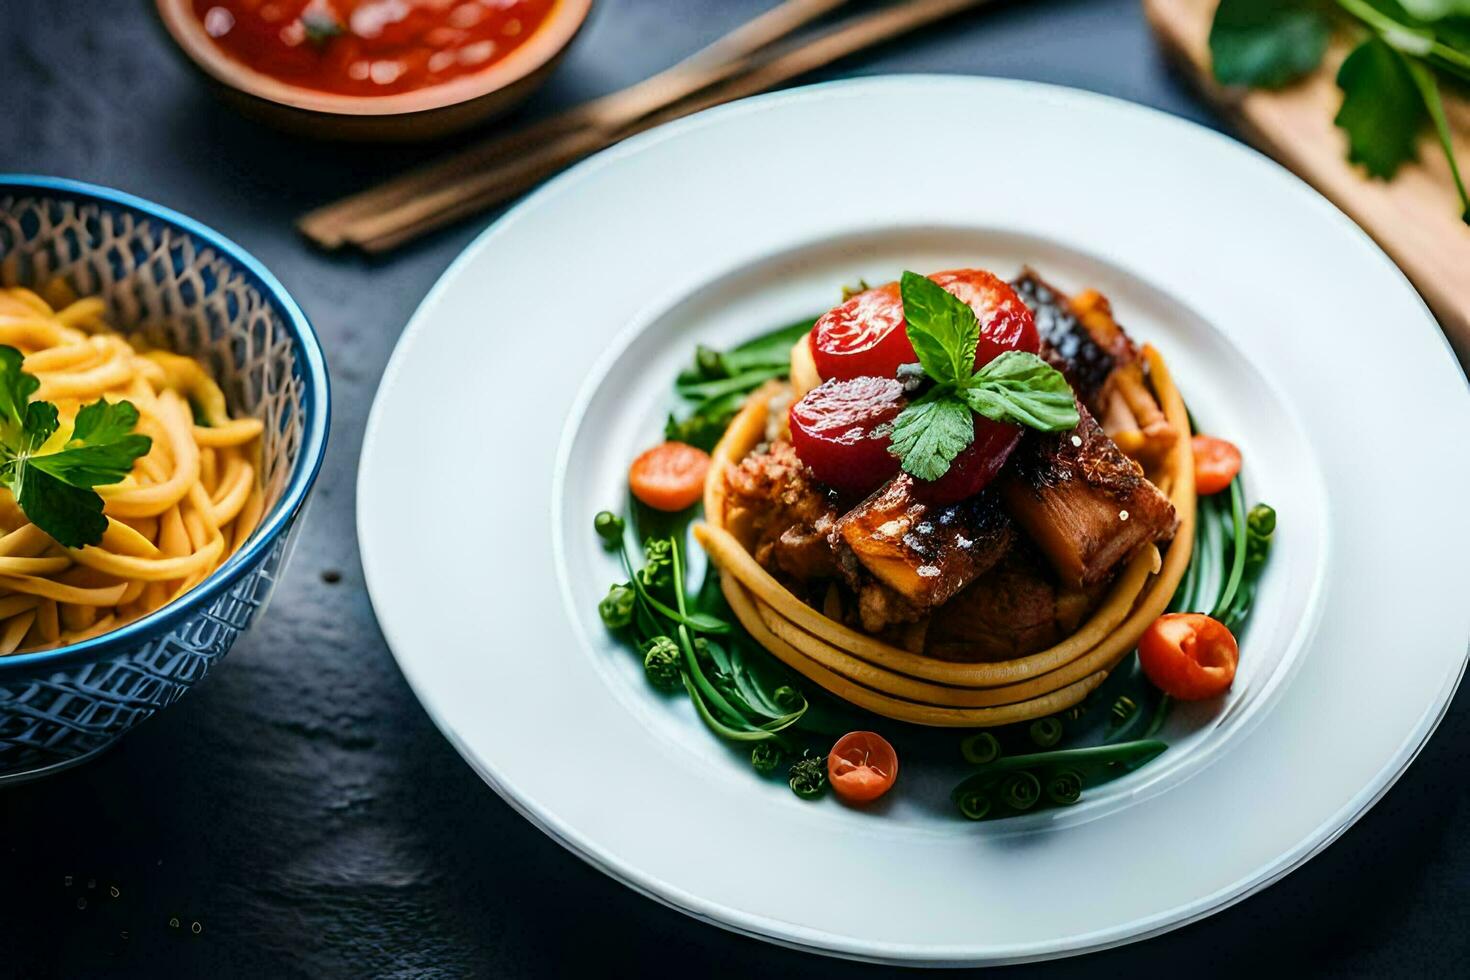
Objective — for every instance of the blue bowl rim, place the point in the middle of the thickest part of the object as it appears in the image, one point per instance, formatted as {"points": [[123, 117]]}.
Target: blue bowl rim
{"points": [[316, 405]]}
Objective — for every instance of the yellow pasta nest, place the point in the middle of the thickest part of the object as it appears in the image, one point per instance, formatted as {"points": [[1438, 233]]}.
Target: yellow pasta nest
{"points": [[907, 686], [188, 504]]}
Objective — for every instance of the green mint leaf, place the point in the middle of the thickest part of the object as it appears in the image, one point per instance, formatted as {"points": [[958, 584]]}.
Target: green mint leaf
{"points": [[1022, 389], [102, 447], [1382, 108], [1429, 92], [1267, 43], [942, 328], [16, 387], [71, 515], [929, 433]]}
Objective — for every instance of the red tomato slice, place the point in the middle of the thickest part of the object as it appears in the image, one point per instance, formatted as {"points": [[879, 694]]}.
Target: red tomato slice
{"points": [[1189, 656], [841, 430], [670, 476], [1216, 463], [862, 766], [867, 335], [1005, 320], [973, 469], [863, 336]]}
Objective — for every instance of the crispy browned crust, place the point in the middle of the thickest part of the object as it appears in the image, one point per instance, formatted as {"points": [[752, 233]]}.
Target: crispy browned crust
{"points": [[1065, 341], [1084, 504], [924, 552]]}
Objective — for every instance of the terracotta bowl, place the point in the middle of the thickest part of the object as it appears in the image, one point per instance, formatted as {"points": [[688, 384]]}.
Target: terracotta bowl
{"points": [[418, 115]]}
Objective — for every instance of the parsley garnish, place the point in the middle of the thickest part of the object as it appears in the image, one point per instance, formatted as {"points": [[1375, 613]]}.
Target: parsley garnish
{"points": [[1388, 84], [54, 488], [1016, 387], [1267, 43], [1382, 111]]}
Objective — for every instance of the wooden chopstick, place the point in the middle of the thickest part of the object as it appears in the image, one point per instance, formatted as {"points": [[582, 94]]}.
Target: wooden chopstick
{"points": [[475, 192], [610, 112]]}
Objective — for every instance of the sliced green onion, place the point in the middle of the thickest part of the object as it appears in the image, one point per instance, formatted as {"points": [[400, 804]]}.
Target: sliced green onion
{"points": [[1020, 790], [980, 748]]}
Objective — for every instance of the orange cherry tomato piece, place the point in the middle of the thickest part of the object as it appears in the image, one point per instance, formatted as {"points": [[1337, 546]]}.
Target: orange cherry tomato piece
{"points": [[1216, 462], [1189, 656], [862, 766], [669, 476]]}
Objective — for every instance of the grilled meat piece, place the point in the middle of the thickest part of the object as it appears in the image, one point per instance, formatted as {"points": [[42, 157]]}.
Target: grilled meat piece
{"points": [[772, 497], [924, 552], [1081, 338], [1065, 341], [1085, 504], [1011, 611]]}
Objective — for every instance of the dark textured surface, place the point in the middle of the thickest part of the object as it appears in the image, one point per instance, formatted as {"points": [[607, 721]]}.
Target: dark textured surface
{"points": [[300, 807]]}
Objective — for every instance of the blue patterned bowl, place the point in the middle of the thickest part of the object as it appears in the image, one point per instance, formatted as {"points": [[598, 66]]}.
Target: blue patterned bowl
{"points": [[197, 293]]}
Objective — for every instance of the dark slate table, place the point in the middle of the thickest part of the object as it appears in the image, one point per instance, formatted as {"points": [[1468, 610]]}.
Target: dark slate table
{"points": [[298, 814]]}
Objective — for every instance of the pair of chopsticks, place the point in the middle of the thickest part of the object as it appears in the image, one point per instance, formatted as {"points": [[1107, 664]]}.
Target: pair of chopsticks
{"points": [[744, 62]]}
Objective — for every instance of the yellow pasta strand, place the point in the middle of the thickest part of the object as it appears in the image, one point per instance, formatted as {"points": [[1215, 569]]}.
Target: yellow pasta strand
{"points": [[12, 604], [238, 432], [15, 631], [147, 501]]}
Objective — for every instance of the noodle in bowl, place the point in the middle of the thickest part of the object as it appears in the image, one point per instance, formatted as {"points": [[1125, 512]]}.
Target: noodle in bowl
{"points": [[109, 297], [189, 503]]}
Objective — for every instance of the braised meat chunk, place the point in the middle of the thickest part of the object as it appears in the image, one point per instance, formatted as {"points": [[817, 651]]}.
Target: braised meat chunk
{"points": [[1065, 343], [923, 551], [1081, 338], [1085, 504], [773, 499], [1013, 610]]}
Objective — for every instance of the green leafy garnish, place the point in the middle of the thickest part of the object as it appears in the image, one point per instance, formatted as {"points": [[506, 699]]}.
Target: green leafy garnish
{"points": [[1388, 84], [54, 488], [1429, 91], [930, 433], [1267, 43], [719, 381], [1017, 387], [942, 328], [808, 777], [1382, 111], [1435, 9], [1022, 389]]}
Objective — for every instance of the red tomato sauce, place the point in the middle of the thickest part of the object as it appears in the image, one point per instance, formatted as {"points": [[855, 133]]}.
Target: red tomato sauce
{"points": [[370, 47]]}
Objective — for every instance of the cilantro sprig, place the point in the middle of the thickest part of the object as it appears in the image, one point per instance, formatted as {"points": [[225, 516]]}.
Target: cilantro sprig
{"points": [[1390, 92], [54, 486], [1016, 387]]}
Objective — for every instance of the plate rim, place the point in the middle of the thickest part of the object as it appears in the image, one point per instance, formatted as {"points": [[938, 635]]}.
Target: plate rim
{"points": [[817, 941]]}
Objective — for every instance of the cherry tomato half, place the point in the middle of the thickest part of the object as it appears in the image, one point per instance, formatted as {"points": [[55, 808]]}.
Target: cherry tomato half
{"points": [[976, 465], [1216, 463], [862, 766], [1189, 656], [863, 336], [841, 430], [867, 335], [1005, 320], [670, 476]]}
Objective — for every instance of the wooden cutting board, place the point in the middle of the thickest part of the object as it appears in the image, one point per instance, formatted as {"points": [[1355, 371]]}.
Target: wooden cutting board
{"points": [[1415, 217]]}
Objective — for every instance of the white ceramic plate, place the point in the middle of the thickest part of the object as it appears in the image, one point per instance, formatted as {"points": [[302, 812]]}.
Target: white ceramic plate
{"points": [[543, 361]]}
